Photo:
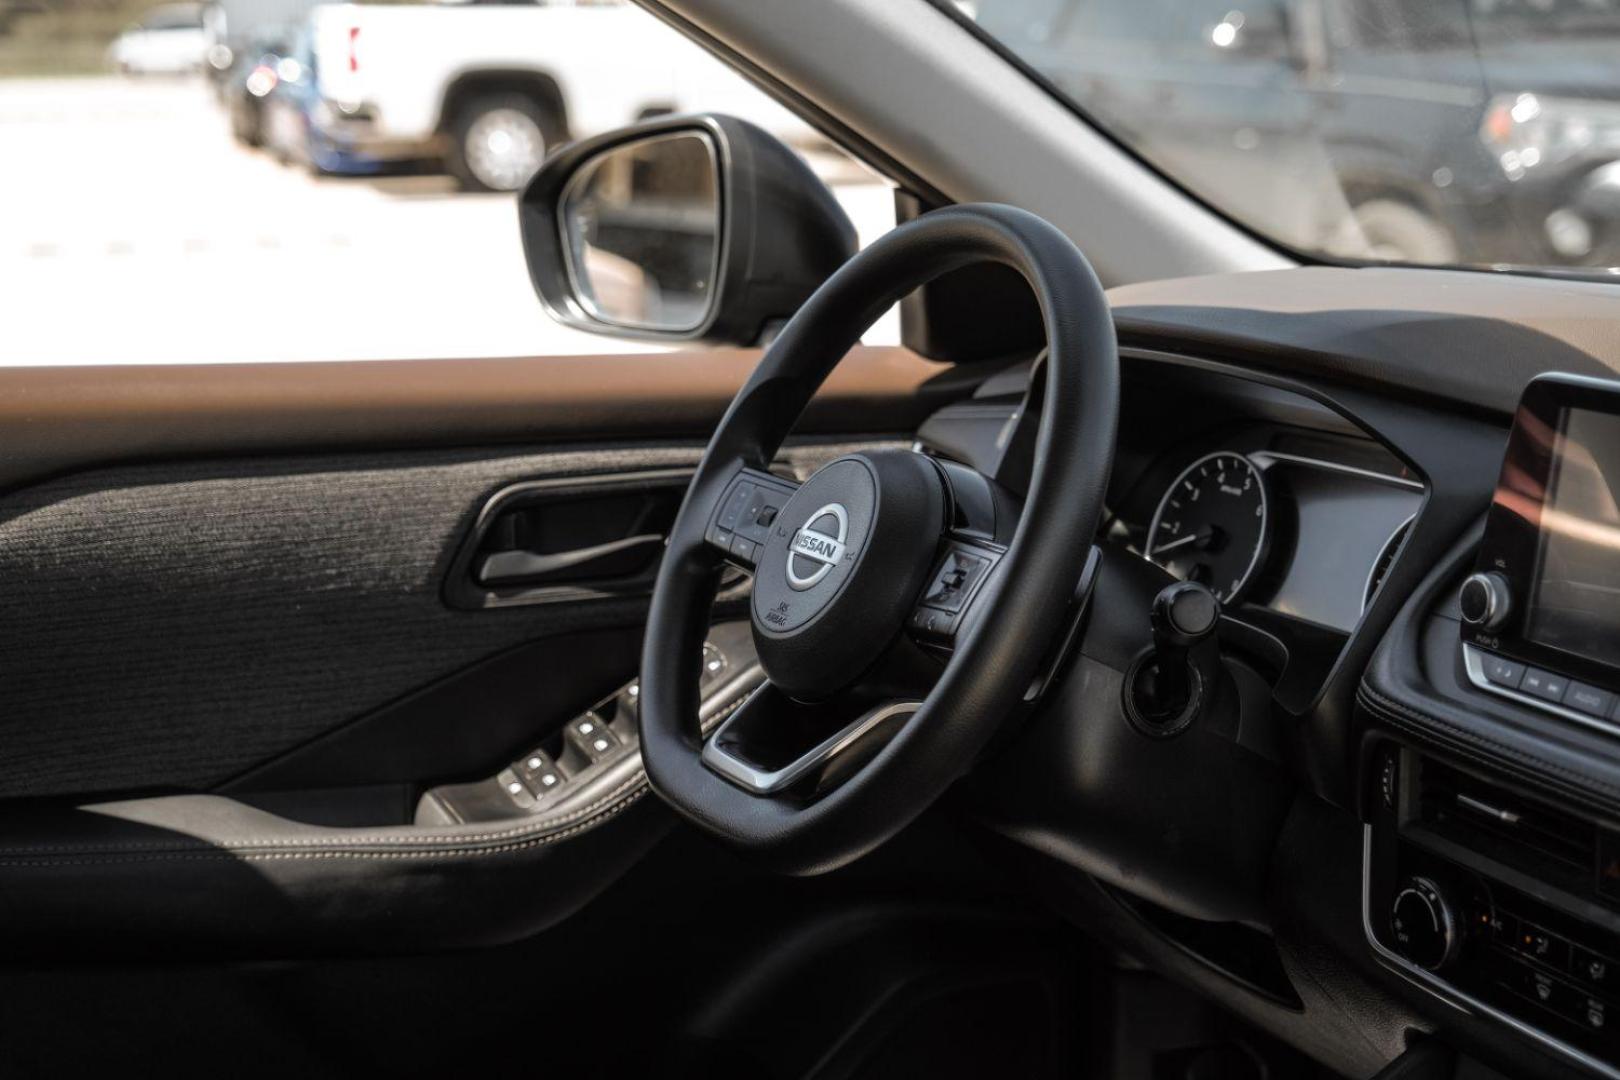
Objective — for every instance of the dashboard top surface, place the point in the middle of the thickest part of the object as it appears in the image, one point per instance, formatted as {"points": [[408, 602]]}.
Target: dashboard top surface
{"points": [[1469, 339]]}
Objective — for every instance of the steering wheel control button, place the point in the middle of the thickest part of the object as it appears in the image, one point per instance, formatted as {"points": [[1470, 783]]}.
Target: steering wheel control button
{"points": [[1547, 685], [1502, 671], [744, 549], [746, 515], [959, 572], [735, 504]]}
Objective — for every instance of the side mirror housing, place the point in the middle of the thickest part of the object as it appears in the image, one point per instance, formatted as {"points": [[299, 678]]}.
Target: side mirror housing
{"points": [[684, 228]]}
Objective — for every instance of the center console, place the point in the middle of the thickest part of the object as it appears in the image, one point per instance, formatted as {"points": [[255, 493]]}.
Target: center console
{"points": [[1492, 871]]}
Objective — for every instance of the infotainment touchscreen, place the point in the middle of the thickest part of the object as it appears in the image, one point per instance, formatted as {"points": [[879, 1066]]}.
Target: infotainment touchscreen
{"points": [[1542, 610], [1575, 594]]}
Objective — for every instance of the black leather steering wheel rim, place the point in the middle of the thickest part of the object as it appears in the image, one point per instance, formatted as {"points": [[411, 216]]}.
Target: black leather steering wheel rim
{"points": [[992, 665]]}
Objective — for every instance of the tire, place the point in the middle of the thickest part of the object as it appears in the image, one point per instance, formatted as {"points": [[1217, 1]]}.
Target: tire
{"points": [[497, 141], [1400, 232]]}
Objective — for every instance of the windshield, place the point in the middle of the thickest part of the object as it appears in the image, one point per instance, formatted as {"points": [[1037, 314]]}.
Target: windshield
{"points": [[1435, 132]]}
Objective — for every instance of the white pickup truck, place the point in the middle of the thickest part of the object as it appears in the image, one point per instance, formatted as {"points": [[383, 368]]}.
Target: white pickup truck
{"points": [[491, 87]]}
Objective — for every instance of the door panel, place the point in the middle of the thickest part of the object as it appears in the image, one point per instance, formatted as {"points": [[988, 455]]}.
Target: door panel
{"points": [[177, 624], [231, 663]]}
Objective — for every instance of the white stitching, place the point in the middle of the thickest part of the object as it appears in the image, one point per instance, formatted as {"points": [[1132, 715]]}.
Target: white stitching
{"points": [[286, 856], [197, 848], [1577, 786]]}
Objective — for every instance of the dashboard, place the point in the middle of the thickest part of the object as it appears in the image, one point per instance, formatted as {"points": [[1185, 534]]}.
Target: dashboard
{"points": [[1393, 834]]}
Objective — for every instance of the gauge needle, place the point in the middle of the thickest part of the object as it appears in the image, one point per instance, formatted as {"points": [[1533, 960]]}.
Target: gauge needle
{"points": [[1190, 538], [1203, 537]]}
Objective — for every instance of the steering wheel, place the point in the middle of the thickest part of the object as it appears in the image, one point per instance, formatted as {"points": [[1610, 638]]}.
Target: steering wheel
{"points": [[901, 605]]}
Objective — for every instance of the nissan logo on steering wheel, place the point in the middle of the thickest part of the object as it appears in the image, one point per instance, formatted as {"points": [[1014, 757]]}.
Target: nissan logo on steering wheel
{"points": [[818, 546]]}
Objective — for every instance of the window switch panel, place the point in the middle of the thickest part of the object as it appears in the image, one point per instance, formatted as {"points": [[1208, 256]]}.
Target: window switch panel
{"points": [[592, 737]]}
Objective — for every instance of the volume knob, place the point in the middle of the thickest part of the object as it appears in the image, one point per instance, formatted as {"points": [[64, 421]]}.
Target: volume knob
{"points": [[1486, 600]]}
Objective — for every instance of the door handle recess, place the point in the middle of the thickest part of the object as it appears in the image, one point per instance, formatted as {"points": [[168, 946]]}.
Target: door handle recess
{"points": [[532, 568]]}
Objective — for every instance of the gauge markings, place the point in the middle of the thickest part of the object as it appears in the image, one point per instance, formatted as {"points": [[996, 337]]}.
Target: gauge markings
{"points": [[1212, 524]]}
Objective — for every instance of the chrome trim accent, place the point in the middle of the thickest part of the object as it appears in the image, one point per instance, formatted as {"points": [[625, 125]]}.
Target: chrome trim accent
{"points": [[761, 782], [1267, 458], [1496, 608], [828, 560], [1506, 817], [1474, 664], [1448, 994]]}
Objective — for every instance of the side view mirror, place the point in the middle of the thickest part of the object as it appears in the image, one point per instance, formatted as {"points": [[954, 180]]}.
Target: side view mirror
{"points": [[685, 228]]}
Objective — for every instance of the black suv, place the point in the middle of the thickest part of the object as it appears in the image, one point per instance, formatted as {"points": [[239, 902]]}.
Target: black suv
{"points": [[1433, 131]]}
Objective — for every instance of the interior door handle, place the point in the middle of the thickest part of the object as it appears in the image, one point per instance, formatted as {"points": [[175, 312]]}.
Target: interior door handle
{"points": [[532, 568]]}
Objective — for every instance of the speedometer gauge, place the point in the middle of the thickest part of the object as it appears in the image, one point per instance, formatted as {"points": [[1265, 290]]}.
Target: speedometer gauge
{"points": [[1213, 525]]}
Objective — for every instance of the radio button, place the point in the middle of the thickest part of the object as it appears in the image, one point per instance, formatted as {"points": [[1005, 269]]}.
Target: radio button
{"points": [[1502, 671], [1588, 699], [1545, 685]]}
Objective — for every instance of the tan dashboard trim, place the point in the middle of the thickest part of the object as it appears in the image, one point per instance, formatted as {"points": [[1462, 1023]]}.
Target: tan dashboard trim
{"points": [[59, 419]]}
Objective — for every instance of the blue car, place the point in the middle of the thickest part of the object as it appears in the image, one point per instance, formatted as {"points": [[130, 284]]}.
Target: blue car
{"points": [[300, 125]]}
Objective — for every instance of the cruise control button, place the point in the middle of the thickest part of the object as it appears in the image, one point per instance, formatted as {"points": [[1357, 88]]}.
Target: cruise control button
{"points": [[1588, 699], [1545, 685], [1503, 672], [745, 549]]}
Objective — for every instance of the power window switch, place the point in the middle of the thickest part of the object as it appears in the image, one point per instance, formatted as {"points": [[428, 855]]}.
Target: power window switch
{"points": [[540, 773], [515, 789], [714, 665], [591, 736]]}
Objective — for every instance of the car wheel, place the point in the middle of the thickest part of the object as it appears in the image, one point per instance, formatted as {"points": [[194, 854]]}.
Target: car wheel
{"points": [[499, 141], [1400, 232]]}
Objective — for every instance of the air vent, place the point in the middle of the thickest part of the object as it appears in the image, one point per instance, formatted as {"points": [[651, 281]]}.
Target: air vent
{"points": [[1381, 565], [1526, 834]]}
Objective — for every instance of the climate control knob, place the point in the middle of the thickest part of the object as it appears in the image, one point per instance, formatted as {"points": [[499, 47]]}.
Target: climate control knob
{"points": [[1423, 926], [1486, 600]]}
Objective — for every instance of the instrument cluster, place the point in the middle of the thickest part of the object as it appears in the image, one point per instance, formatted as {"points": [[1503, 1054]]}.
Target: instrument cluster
{"points": [[1304, 525]]}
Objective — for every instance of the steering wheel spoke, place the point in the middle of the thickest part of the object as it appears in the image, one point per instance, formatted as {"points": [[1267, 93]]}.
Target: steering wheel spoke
{"points": [[776, 746]]}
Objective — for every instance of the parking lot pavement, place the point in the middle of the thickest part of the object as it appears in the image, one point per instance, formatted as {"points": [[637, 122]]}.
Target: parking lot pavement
{"points": [[133, 229]]}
